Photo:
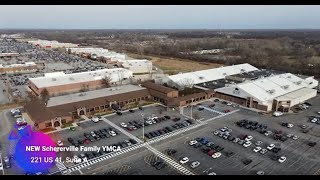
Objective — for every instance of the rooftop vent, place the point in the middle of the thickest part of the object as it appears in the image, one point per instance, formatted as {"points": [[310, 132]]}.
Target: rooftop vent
{"points": [[289, 77], [71, 78], [224, 74], [285, 87], [54, 79], [271, 91], [201, 77], [298, 82], [242, 70]]}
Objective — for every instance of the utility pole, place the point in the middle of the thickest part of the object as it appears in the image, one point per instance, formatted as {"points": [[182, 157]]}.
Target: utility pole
{"points": [[191, 107]]}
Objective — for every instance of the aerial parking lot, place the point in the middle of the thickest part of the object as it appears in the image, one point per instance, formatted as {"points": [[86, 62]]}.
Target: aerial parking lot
{"points": [[244, 151]]}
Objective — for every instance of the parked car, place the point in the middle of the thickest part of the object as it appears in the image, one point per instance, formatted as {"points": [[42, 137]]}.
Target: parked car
{"points": [[171, 151], [247, 161], [277, 114], [123, 125], [6, 161], [270, 147], [195, 164], [257, 149], [200, 108], [184, 160], [282, 159], [131, 110]]}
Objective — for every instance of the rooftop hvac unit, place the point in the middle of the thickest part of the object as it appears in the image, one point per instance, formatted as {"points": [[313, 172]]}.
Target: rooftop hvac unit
{"points": [[242, 70], [110, 89], [271, 91], [289, 77], [71, 78], [54, 79], [201, 77], [298, 82], [285, 87], [224, 74], [311, 82]]}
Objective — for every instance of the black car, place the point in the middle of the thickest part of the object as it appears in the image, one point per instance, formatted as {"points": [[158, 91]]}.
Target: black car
{"points": [[167, 117], [148, 136], [189, 121], [95, 154], [231, 138], [89, 155], [157, 133], [219, 149], [197, 145], [216, 100], [70, 140], [247, 161], [205, 149], [275, 157], [97, 138], [131, 110], [308, 104], [311, 144], [171, 151], [284, 124], [133, 141], [283, 138], [146, 124], [91, 139], [229, 153], [275, 149], [153, 134], [176, 119], [86, 135], [175, 127], [119, 113], [80, 141], [161, 132], [165, 131], [141, 108], [305, 131], [200, 108]]}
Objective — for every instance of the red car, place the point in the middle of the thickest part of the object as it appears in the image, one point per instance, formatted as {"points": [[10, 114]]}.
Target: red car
{"points": [[226, 111], [86, 141], [211, 152], [278, 132], [211, 105]]}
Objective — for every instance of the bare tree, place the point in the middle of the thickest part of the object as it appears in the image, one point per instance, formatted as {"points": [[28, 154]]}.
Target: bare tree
{"points": [[186, 82], [45, 95], [107, 80]]}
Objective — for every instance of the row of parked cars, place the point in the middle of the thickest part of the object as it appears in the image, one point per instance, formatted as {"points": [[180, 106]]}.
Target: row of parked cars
{"points": [[92, 136], [168, 129], [209, 147], [90, 155], [246, 141], [133, 125], [262, 129]]}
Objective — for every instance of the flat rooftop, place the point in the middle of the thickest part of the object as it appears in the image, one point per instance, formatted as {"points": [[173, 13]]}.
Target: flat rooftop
{"points": [[77, 97], [217, 83], [60, 78], [257, 74]]}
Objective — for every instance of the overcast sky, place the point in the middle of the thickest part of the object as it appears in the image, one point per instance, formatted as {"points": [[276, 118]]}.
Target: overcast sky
{"points": [[159, 17]]}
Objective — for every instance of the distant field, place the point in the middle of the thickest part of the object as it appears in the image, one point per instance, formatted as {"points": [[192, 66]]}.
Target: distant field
{"points": [[176, 65]]}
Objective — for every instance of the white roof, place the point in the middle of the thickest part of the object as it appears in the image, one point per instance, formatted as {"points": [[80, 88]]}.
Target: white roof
{"points": [[212, 74], [266, 89], [59, 100], [57, 79], [296, 94]]}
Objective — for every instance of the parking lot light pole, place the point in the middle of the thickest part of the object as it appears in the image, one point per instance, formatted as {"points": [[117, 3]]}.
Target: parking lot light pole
{"points": [[142, 114], [191, 107]]}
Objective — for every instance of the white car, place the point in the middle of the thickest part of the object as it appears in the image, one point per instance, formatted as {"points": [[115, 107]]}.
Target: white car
{"points": [[229, 104], [271, 146], [260, 173], [123, 125], [60, 143], [112, 133], [277, 114], [195, 164], [314, 120], [290, 126], [216, 155], [268, 133], [192, 142], [282, 159], [263, 151], [95, 119], [289, 135], [93, 134], [236, 140], [247, 144], [249, 138], [184, 160], [319, 112], [258, 143], [257, 149], [216, 132], [294, 137], [212, 173], [149, 122]]}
